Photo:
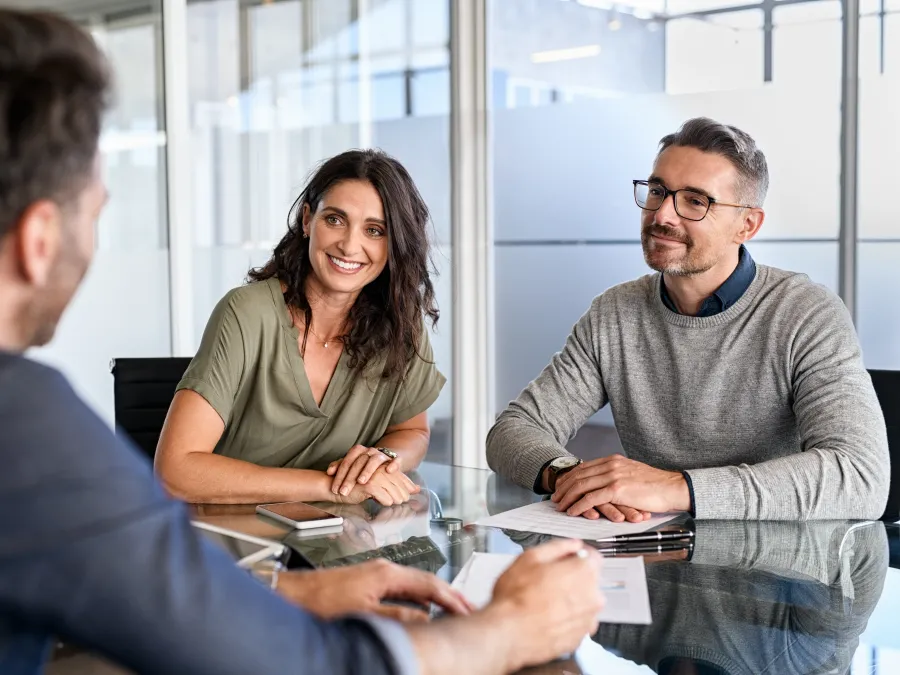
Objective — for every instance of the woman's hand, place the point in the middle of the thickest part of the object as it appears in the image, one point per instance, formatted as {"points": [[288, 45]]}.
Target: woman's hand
{"points": [[358, 466], [386, 488]]}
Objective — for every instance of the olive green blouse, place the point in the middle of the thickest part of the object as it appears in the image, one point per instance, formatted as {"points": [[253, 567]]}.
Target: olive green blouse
{"points": [[250, 371]]}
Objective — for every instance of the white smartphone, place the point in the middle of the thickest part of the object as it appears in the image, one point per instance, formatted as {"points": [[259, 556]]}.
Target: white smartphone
{"points": [[299, 515], [245, 549], [304, 535]]}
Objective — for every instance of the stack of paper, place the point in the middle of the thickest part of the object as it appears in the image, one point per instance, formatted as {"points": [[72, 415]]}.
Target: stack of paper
{"points": [[622, 580], [544, 518]]}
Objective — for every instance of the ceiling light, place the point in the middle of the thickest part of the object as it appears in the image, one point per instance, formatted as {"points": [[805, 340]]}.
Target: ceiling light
{"points": [[569, 54]]}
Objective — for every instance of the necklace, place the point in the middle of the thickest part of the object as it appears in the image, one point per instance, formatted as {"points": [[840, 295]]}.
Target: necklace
{"points": [[324, 342]]}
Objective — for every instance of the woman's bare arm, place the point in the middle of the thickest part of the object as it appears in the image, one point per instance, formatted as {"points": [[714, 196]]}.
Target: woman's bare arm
{"points": [[186, 465]]}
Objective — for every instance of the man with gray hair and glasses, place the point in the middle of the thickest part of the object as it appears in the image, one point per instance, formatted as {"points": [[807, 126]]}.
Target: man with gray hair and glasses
{"points": [[738, 389]]}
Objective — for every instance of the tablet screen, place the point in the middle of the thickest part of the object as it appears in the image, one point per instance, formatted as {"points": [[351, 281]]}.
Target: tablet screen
{"points": [[243, 551]]}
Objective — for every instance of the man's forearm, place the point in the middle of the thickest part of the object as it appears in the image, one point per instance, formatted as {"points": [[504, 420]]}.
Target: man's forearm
{"points": [[812, 485], [517, 449], [204, 477]]}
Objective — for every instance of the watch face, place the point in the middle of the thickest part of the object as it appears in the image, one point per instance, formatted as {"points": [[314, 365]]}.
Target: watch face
{"points": [[565, 463]]}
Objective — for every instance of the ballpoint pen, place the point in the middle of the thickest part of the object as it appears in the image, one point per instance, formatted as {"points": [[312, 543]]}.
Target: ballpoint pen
{"points": [[661, 535], [647, 548]]}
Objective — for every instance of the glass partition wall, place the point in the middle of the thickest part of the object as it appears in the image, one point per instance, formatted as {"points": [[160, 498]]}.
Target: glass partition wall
{"points": [[576, 95], [582, 91]]}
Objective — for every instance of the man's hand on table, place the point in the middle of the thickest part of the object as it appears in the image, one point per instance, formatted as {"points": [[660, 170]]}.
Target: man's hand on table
{"points": [[620, 489], [361, 588]]}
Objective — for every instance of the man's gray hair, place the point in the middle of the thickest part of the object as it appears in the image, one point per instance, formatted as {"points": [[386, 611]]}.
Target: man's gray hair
{"points": [[735, 145]]}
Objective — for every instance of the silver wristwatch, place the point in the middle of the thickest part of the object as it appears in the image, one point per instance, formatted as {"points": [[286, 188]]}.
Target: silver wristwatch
{"points": [[559, 466]]}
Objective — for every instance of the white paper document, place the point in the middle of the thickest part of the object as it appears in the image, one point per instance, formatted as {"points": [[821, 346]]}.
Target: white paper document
{"points": [[622, 580], [544, 518]]}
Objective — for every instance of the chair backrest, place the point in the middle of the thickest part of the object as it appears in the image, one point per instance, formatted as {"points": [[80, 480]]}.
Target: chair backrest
{"points": [[887, 387], [143, 390]]}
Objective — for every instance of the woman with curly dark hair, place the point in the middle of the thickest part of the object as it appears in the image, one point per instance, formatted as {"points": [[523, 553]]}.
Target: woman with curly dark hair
{"points": [[312, 381]]}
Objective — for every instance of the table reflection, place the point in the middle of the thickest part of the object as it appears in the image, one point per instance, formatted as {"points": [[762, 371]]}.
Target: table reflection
{"points": [[754, 597], [759, 598]]}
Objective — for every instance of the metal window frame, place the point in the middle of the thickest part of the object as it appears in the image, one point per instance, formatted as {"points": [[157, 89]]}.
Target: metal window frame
{"points": [[472, 226], [178, 176], [472, 234], [847, 233]]}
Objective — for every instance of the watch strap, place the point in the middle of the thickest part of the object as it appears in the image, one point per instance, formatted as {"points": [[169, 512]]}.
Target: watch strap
{"points": [[556, 473], [538, 487]]}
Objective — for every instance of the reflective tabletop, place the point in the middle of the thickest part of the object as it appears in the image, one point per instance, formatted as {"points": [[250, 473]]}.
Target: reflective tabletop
{"points": [[770, 597]]}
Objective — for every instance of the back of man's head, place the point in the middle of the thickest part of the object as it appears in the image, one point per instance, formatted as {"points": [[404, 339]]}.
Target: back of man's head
{"points": [[54, 89]]}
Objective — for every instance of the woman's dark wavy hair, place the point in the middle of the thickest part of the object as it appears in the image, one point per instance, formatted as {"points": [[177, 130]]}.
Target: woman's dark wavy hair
{"points": [[386, 319]]}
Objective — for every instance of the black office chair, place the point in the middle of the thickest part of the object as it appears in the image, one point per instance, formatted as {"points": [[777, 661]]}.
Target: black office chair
{"points": [[143, 390], [887, 387]]}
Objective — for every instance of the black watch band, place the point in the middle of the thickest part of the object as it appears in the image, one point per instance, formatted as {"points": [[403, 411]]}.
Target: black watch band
{"points": [[538, 487], [554, 476]]}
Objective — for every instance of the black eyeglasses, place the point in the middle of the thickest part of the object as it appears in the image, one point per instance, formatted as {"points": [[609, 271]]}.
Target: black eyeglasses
{"points": [[689, 204]]}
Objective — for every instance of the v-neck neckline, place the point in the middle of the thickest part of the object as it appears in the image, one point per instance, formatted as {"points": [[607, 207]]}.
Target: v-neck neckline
{"points": [[291, 335]]}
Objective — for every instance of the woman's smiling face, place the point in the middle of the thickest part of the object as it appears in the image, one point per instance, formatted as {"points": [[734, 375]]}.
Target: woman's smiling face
{"points": [[348, 237]]}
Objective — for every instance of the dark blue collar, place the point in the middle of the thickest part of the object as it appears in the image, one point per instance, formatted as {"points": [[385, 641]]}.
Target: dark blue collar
{"points": [[728, 293]]}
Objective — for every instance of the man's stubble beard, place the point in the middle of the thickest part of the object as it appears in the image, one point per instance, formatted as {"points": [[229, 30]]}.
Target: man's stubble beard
{"points": [[65, 280], [685, 266]]}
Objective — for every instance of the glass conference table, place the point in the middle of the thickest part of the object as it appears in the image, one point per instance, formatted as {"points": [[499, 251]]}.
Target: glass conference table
{"points": [[771, 597]]}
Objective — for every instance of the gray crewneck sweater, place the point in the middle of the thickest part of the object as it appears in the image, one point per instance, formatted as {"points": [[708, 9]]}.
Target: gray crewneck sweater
{"points": [[767, 405]]}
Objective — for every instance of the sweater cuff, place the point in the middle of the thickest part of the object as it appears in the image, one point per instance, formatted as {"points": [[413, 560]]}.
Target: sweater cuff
{"points": [[690, 484], [718, 494], [530, 464]]}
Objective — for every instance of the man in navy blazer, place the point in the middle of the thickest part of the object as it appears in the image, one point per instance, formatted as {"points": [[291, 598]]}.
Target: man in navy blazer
{"points": [[91, 548]]}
